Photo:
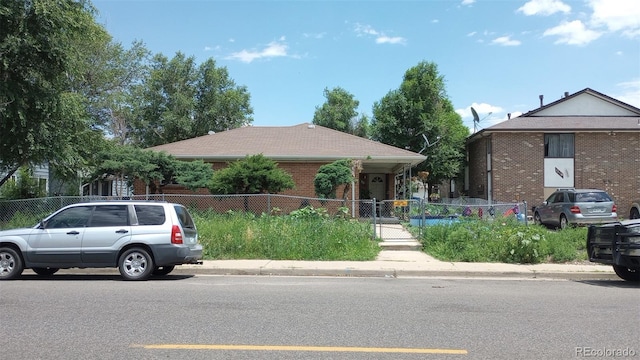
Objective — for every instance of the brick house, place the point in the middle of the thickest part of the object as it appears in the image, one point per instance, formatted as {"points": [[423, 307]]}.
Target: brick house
{"points": [[300, 150], [583, 140]]}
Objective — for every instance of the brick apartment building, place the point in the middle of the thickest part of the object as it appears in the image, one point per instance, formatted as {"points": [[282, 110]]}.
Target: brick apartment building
{"points": [[583, 140]]}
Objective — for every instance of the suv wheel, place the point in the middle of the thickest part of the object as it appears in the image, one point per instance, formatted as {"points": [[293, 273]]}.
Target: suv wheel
{"points": [[563, 222], [162, 270], [10, 264], [536, 219], [635, 214], [135, 264], [45, 271], [626, 273]]}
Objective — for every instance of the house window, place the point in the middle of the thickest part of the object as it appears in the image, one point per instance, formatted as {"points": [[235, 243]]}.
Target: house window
{"points": [[558, 145]]}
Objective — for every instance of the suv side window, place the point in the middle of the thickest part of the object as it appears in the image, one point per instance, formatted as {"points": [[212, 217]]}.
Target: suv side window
{"points": [[559, 197], [572, 197], [150, 214], [72, 217], [110, 215]]}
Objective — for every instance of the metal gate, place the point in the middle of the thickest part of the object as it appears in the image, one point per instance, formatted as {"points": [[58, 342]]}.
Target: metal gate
{"points": [[389, 216]]}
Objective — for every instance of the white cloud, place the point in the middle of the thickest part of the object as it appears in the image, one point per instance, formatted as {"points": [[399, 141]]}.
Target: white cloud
{"points": [[468, 2], [572, 33], [544, 7], [483, 110], [472, 33], [390, 40], [505, 41], [630, 92], [381, 38], [617, 15], [488, 115], [273, 49]]}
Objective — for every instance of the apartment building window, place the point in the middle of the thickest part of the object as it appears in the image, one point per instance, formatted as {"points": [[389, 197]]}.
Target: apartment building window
{"points": [[558, 145]]}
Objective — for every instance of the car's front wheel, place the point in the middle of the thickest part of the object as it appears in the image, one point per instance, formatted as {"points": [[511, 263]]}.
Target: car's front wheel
{"points": [[135, 264], [536, 219], [634, 214], [10, 264], [45, 271], [162, 270], [628, 274]]}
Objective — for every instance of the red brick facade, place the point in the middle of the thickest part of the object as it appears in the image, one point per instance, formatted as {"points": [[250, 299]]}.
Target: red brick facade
{"points": [[303, 174]]}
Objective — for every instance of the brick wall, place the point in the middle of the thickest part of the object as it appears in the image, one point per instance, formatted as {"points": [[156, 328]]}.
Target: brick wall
{"points": [[602, 161], [303, 174], [611, 163], [518, 167], [477, 169]]}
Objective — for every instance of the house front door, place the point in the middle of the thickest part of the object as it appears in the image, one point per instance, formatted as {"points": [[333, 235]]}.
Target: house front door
{"points": [[377, 186]]}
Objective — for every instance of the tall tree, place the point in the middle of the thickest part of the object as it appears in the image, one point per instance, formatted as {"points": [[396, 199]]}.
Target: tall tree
{"points": [[180, 100], [339, 112], [167, 101], [41, 42], [420, 108], [220, 104]]}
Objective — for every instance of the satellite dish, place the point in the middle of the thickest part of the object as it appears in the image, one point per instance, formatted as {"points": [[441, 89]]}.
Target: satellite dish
{"points": [[476, 119], [427, 143]]}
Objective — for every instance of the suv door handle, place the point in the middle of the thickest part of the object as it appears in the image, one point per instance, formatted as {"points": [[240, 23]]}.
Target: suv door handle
{"points": [[73, 232], [121, 231]]}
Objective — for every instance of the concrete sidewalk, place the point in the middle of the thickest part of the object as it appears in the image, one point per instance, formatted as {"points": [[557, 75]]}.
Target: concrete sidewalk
{"points": [[399, 263]]}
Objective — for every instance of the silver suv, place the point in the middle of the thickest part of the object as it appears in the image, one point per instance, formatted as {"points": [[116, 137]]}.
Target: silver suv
{"points": [[576, 207], [140, 238]]}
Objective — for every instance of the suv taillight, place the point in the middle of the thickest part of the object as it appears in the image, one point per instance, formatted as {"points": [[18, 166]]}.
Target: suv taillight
{"points": [[176, 235], [575, 210], [614, 209]]}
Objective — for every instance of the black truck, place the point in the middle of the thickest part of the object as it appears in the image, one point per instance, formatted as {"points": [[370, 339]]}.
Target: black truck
{"points": [[616, 244]]}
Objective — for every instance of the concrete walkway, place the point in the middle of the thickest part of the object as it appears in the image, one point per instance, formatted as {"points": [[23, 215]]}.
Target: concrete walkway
{"points": [[393, 261]]}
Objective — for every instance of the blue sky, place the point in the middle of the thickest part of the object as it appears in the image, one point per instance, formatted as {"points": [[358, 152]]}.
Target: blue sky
{"points": [[495, 56]]}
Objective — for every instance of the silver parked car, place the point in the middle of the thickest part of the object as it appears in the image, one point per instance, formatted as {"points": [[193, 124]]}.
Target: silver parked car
{"points": [[576, 207], [139, 238]]}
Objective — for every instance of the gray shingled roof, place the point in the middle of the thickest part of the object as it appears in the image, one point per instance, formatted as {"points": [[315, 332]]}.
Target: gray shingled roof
{"points": [[292, 143]]}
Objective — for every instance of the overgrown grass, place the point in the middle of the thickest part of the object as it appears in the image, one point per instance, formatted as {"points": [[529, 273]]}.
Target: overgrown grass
{"points": [[503, 241], [299, 236], [19, 220]]}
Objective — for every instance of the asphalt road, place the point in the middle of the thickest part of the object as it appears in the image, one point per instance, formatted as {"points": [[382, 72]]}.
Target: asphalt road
{"points": [[246, 317]]}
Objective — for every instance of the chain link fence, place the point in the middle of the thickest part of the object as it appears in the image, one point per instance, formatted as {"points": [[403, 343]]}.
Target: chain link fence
{"points": [[415, 211]]}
